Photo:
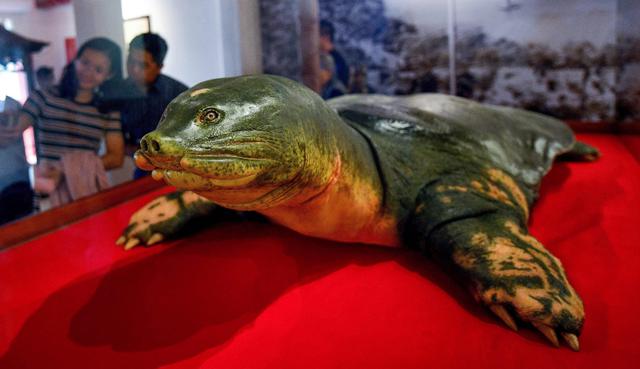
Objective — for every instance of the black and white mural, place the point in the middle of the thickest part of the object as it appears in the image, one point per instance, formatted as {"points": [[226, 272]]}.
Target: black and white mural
{"points": [[280, 28], [574, 59], [628, 45]]}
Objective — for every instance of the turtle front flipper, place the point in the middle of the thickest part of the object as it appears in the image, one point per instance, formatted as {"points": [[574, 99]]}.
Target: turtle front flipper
{"points": [[477, 223], [164, 217]]}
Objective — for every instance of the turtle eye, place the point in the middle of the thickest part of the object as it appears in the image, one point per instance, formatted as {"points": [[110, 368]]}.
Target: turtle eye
{"points": [[208, 115]]}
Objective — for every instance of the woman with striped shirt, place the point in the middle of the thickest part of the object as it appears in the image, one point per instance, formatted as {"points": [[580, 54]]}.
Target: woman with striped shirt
{"points": [[69, 118], [70, 126]]}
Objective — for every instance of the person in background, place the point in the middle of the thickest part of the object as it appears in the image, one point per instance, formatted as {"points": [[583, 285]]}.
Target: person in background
{"points": [[332, 65], [330, 86], [16, 195], [69, 120], [358, 81], [327, 46], [427, 82], [465, 83], [45, 77], [146, 92]]}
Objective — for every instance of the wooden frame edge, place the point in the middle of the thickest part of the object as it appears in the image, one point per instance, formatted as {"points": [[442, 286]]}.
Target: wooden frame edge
{"points": [[25, 229]]}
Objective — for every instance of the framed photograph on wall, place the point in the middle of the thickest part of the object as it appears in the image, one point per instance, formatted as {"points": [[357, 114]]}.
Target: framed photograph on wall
{"points": [[136, 26]]}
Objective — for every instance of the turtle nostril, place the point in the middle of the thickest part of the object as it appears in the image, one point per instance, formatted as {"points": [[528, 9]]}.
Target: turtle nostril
{"points": [[155, 146], [150, 145]]}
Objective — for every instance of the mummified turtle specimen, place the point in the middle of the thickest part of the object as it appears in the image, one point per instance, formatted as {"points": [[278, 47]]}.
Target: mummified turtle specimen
{"points": [[446, 175]]}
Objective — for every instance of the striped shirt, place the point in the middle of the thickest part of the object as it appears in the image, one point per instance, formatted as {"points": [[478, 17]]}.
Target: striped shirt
{"points": [[62, 125]]}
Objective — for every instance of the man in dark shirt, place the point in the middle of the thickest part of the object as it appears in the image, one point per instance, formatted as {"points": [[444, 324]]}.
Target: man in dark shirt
{"points": [[148, 91], [340, 67]]}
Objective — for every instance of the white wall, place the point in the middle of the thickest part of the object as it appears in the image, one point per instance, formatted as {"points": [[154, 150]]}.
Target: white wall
{"points": [[49, 25], [204, 37], [99, 18], [15, 6]]}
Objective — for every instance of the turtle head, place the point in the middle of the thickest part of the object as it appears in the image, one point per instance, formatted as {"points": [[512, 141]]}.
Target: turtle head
{"points": [[246, 143]]}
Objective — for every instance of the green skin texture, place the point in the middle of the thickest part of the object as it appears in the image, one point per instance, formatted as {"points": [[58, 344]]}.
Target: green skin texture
{"points": [[410, 151]]}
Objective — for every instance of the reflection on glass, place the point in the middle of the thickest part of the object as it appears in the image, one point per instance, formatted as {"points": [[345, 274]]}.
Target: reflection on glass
{"points": [[557, 58], [206, 40]]}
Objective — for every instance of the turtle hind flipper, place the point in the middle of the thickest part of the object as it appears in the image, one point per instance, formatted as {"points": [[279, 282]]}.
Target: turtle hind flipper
{"points": [[476, 223], [581, 152]]}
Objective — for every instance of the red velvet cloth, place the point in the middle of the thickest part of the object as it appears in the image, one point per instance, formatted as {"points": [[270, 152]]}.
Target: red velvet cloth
{"points": [[258, 296]]}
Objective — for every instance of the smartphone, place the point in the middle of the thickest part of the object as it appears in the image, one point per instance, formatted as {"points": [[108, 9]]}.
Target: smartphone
{"points": [[9, 108]]}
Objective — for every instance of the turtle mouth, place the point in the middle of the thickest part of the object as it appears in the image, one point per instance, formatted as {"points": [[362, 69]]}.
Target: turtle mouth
{"points": [[204, 171], [176, 176]]}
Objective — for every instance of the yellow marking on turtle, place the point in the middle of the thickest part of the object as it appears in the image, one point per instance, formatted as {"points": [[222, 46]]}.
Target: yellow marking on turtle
{"points": [[538, 248], [160, 210], [507, 181], [480, 239], [200, 92], [443, 188], [501, 251], [495, 193], [506, 259], [189, 197], [492, 191], [446, 200], [476, 185]]}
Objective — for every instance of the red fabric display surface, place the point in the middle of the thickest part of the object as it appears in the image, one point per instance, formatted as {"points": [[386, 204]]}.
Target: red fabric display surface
{"points": [[255, 295]]}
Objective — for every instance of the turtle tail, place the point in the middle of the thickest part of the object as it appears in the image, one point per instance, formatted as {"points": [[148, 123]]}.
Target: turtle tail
{"points": [[581, 152]]}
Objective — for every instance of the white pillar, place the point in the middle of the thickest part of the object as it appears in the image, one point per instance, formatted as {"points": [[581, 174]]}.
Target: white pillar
{"points": [[451, 26], [250, 36]]}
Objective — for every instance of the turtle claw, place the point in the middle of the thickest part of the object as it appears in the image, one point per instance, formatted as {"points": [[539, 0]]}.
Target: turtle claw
{"points": [[572, 341], [570, 338], [504, 315], [548, 332], [131, 244], [121, 240], [155, 238]]}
